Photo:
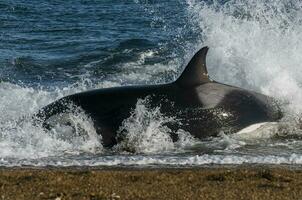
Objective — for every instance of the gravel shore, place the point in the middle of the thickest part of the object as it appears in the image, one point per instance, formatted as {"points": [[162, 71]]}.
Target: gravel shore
{"points": [[223, 182]]}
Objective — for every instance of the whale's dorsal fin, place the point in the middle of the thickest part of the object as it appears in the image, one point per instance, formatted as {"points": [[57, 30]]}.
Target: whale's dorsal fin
{"points": [[196, 72]]}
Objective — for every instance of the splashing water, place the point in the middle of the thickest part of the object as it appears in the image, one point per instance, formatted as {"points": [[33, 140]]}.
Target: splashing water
{"points": [[253, 44], [20, 138], [145, 131]]}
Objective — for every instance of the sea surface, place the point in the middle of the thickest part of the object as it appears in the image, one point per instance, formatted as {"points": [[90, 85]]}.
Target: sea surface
{"points": [[50, 49]]}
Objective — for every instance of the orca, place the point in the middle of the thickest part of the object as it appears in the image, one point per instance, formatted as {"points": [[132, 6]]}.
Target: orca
{"points": [[202, 106]]}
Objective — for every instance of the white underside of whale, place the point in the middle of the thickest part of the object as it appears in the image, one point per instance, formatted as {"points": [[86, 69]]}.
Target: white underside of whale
{"points": [[260, 130]]}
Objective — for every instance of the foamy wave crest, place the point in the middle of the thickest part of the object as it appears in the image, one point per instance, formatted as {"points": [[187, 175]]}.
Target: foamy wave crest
{"points": [[146, 131], [17, 101], [254, 44], [23, 140], [76, 129], [20, 138]]}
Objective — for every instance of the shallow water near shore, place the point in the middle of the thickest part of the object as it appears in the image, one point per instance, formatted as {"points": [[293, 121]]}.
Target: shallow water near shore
{"points": [[53, 49]]}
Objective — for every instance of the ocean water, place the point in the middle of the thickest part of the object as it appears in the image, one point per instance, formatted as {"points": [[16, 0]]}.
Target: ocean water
{"points": [[49, 49]]}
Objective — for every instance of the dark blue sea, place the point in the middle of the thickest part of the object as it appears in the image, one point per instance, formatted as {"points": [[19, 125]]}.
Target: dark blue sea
{"points": [[50, 49]]}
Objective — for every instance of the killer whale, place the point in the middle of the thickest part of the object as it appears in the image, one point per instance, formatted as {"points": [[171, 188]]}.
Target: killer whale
{"points": [[202, 106]]}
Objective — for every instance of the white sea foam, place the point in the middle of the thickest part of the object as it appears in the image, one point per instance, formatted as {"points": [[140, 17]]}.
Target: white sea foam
{"points": [[145, 131], [20, 138], [176, 161], [254, 44]]}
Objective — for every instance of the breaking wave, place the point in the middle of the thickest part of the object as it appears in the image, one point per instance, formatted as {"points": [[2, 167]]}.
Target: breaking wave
{"points": [[146, 131], [22, 138], [253, 44]]}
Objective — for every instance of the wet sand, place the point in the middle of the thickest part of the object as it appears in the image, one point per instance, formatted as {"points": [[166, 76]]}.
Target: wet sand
{"points": [[220, 182]]}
